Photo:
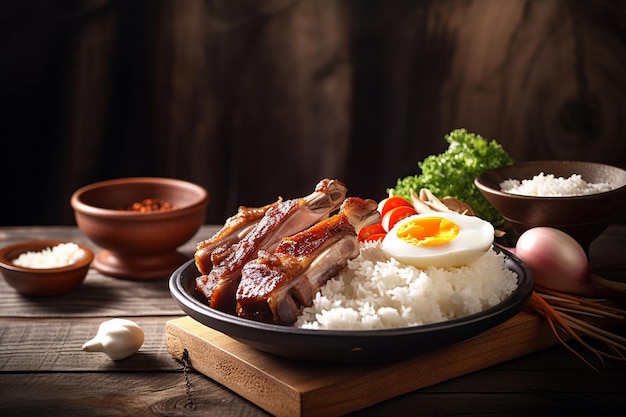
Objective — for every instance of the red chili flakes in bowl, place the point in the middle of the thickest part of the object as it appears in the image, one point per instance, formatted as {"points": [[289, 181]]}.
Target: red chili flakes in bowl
{"points": [[149, 205]]}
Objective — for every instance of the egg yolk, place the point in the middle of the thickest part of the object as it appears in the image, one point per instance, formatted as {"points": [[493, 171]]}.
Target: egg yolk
{"points": [[428, 231]]}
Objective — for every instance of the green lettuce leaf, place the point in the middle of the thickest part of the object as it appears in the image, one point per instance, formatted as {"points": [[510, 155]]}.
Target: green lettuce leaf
{"points": [[452, 172]]}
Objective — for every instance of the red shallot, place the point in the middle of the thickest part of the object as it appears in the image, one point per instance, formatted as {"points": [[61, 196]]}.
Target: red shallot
{"points": [[556, 259], [563, 284]]}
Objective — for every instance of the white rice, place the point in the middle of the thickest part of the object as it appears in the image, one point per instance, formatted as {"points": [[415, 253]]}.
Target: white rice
{"points": [[542, 185], [57, 256], [375, 293]]}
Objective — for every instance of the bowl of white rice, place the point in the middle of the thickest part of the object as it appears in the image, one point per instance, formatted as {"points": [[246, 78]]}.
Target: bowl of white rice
{"points": [[577, 197], [45, 267], [378, 310]]}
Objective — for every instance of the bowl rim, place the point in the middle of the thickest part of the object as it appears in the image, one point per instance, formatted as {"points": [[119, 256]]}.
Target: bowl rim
{"points": [[478, 181], [38, 245], [200, 201]]}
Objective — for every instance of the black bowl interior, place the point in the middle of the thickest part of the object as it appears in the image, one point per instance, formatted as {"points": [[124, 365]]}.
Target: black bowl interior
{"points": [[360, 346]]}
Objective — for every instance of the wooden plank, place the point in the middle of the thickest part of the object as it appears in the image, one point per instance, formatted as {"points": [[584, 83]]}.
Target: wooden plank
{"points": [[139, 394], [287, 388], [56, 346], [97, 296], [118, 394]]}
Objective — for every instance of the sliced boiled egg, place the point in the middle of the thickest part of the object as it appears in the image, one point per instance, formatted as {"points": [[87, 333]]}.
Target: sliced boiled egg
{"points": [[438, 239]]}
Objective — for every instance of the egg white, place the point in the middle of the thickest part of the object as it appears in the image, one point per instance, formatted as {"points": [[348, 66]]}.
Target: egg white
{"points": [[474, 239]]}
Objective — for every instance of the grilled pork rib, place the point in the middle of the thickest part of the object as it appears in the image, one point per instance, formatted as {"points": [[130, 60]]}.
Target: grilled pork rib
{"points": [[289, 217], [275, 285], [235, 228]]}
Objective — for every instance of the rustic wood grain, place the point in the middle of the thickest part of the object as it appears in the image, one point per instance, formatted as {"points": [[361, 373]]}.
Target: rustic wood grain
{"points": [[507, 389], [93, 299], [56, 346], [258, 99], [98, 394]]}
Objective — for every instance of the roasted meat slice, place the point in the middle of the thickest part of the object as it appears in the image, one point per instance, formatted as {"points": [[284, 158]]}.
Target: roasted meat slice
{"points": [[234, 229], [274, 285], [289, 217]]}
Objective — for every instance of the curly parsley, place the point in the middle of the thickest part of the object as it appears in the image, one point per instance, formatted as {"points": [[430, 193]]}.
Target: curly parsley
{"points": [[452, 172]]}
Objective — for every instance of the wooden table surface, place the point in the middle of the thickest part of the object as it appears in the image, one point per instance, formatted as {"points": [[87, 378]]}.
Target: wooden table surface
{"points": [[43, 370]]}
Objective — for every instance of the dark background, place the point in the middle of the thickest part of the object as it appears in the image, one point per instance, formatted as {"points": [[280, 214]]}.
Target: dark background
{"points": [[256, 99]]}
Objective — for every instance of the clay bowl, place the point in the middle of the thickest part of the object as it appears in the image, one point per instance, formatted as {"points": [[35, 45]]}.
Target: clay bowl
{"points": [[582, 217], [42, 281], [139, 245]]}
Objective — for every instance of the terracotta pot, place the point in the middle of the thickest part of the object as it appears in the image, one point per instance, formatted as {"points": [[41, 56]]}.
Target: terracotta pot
{"points": [[139, 245]]}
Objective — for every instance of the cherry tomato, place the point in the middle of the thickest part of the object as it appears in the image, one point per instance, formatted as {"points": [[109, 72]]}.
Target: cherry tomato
{"points": [[390, 203], [372, 229], [394, 215], [375, 237]]}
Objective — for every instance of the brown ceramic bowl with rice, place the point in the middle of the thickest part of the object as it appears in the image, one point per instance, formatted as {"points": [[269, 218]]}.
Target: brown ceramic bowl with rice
{"points": [[583, 217], [139, 223], [45, 267]]}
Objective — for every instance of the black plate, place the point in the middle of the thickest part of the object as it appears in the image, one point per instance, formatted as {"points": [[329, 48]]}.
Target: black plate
{"points": [[358, 346]]}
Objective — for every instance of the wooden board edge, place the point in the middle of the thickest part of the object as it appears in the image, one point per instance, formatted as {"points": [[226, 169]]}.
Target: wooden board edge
{"points": [[256, 386]]}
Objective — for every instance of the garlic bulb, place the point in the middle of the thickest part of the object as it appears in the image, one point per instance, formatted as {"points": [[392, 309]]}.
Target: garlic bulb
{"points": [[117, 338]]}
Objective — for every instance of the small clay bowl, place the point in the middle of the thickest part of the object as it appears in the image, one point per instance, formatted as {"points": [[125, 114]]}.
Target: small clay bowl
{"points": [[139, 245], [582, 217], [42, 281]]}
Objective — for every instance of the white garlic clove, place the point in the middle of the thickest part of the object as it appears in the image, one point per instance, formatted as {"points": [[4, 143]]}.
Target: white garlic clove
{"points": [[117, 338]]}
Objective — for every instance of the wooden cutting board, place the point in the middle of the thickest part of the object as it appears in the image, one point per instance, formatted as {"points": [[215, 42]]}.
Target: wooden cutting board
{"points": [[285, 387]]}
